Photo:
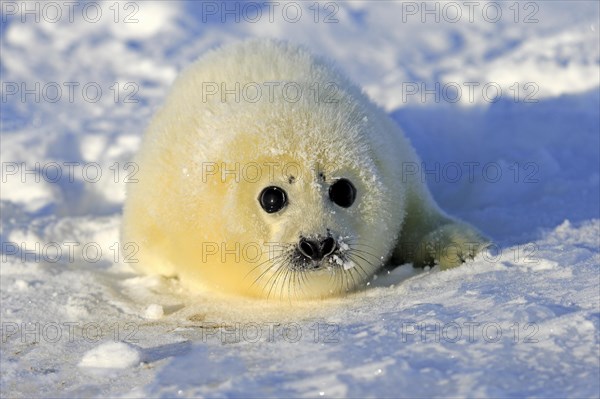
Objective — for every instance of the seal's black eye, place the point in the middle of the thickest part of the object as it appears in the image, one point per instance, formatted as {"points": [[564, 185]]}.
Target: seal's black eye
{"points": [[343, 193], [272, 199]]}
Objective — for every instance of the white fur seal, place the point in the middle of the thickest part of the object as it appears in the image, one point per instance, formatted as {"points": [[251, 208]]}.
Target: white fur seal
{"points": [[268, 173]]}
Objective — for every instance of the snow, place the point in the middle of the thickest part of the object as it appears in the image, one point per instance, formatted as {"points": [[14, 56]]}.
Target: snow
{"points": [[111, 355], [520, 320], [154, 311]]}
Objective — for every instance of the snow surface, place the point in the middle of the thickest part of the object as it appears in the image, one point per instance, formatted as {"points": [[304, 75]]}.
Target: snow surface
{"points": [[78, 325], [110, 355]]}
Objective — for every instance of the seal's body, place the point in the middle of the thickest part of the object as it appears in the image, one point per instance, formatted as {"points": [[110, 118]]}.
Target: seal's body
{"points": [[268, 173]]}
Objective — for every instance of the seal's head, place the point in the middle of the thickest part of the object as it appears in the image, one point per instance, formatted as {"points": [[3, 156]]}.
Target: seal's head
{"points": [[300, 184], [278, 194], [293, 202]]}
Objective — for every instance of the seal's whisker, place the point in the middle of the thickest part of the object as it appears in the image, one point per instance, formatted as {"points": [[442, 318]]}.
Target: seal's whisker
{"points": [[341, 279], [275, 262], [263, 273], [364, 252], [360, 269], [277, 267], [358, 264], [358, 253], [296, 283], [260, 264], [269, 259], [303, 281], [289, 284], [351, 275], [355, 255], [332, 275], [361, 244], [285, 280], [275, 278]]}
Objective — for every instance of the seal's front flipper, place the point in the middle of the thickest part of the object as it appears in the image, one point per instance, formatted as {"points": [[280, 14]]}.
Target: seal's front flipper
{"points": [[438, 240], [449, 245]]}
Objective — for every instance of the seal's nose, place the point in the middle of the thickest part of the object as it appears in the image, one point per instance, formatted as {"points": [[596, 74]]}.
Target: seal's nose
{"points": [[310, 249], [316, 250], [327, 246]]}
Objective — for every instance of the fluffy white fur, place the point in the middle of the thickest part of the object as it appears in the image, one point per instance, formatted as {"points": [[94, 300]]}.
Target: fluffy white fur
{"points": [[182, 209]]}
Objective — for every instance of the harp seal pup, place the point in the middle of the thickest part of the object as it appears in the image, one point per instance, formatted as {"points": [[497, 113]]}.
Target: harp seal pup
{"points": [[267, 173]]}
